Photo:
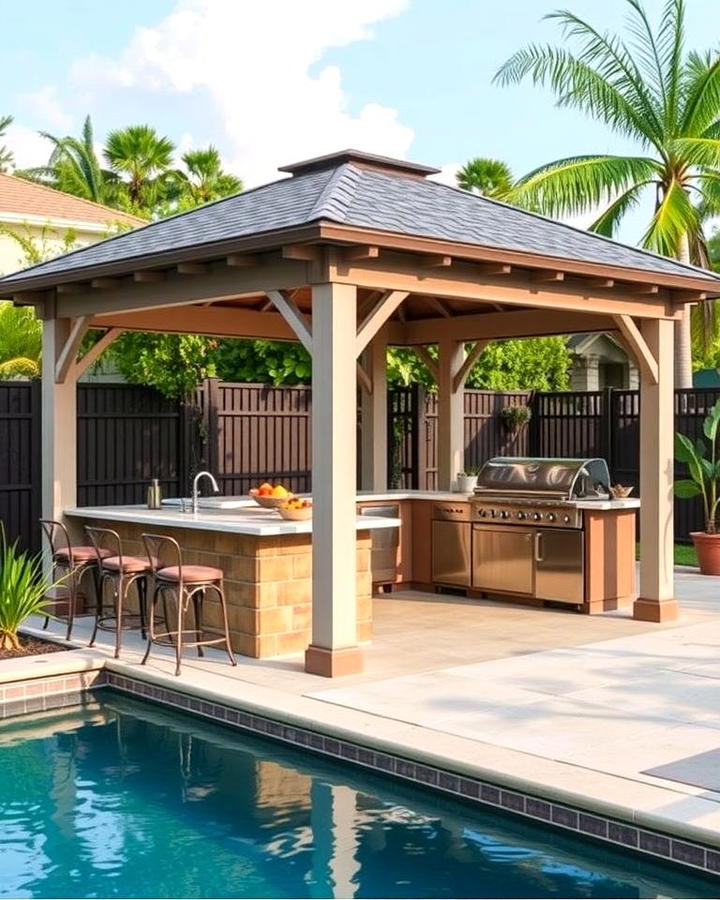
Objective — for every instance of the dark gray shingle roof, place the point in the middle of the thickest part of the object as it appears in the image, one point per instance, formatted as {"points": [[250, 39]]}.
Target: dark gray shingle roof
{"points": [[366, 198]]}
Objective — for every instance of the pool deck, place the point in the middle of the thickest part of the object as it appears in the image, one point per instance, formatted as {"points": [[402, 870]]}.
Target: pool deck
{"points": [[574, 709]]}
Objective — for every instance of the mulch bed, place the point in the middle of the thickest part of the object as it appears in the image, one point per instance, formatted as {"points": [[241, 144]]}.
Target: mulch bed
{"points": [[30, 646]]}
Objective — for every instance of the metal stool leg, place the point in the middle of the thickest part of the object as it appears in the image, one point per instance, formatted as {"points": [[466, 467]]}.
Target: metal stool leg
{"points": [[142, 603], [178, 645], [73, 583], [198, 598], [221, 594], [121, 585], [151, 624], [98, 609]]}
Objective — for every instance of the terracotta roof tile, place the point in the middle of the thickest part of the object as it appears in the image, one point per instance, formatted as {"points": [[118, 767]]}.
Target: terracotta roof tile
{"points": [[26, 198]]}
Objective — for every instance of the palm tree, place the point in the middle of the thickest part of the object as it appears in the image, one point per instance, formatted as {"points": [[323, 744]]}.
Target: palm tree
{"points": [[648, 90], [204, 179], [20, 342], [6, 155], [74, 167], [144, 158], [485, 176]]}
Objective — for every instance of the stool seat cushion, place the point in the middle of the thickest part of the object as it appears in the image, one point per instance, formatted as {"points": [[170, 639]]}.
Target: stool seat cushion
{"points": [[81, 553], [191, 574], [131, 565]]}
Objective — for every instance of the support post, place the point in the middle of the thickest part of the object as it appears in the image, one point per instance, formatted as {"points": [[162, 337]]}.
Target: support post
{"points": [[451, 434], [656, 601], [334, 649], [59, 424], [374, 416]]}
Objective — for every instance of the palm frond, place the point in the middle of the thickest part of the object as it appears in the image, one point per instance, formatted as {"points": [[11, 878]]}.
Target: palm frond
{"points": [[696, 151], [701, 91], [671, 44], [609, 222], [647, 52], [574, 185], [675, 220]]}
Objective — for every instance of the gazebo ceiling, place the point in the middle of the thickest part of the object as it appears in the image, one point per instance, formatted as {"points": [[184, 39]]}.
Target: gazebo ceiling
{"points": [[377, 205]]}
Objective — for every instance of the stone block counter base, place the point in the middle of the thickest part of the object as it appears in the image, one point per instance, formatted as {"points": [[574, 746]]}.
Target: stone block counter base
{"points": [[268, 581]]}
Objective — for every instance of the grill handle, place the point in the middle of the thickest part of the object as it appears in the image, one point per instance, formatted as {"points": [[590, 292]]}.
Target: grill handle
{"points": [[538, 546]]}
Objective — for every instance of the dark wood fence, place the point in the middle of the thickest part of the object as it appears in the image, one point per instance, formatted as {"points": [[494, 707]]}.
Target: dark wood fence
{"points": [[247, 433]]}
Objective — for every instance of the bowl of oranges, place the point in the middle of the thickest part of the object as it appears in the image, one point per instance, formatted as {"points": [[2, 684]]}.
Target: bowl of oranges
{"points": [[296, 509], [271, 496]]}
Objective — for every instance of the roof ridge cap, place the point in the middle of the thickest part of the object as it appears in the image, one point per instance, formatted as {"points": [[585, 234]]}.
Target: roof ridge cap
{"points": [[330, 206]]}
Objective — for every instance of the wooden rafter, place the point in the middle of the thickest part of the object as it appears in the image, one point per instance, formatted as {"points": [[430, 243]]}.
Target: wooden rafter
{"points": [[148, 276], [364, 378], [303, 252], [638, 348], [288, 309], [105, 284], [362, 251], [242, 260], [438, 261], [470, 360], [377, 317], [192, 268], [549, 276], [439, 306], [94, 352]]}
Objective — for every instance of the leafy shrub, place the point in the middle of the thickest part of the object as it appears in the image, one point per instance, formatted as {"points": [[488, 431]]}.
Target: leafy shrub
{"points": [[23, 589]]}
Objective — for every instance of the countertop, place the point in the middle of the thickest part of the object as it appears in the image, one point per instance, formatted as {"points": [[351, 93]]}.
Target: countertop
{"points": [[457, 497], [250, 519]]}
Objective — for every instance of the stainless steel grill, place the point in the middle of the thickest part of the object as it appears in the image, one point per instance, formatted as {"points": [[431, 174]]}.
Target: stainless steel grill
{"points": [[544, 479]]}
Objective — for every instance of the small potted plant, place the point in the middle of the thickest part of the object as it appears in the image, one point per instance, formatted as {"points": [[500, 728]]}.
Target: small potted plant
{"points": [[703, 466], [467, 480], [23, 590], [515, 418]]}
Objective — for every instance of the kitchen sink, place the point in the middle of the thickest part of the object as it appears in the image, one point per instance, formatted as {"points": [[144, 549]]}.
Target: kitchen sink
{"points": [[211, 502]]}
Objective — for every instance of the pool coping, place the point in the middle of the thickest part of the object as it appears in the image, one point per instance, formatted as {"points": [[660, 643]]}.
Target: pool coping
{"points": [[35, 684]]}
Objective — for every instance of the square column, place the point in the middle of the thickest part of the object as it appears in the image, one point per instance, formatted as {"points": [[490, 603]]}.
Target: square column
{"points": [[334, 649], [59, 424], [374, 416], [656, 601], [451, 426]]}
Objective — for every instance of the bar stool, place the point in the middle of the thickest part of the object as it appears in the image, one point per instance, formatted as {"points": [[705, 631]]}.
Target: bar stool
{"points": [[186, 584], [77, 560], [122, 572]]}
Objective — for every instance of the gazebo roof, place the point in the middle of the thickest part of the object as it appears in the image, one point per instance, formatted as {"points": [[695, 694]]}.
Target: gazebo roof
{"points": [[364, 192]]}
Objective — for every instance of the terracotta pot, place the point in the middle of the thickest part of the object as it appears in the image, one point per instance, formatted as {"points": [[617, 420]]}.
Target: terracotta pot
{"points": [[707, 547]]}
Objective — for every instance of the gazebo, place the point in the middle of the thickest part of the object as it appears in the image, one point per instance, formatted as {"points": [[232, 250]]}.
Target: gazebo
{"points": [[351, 253]]}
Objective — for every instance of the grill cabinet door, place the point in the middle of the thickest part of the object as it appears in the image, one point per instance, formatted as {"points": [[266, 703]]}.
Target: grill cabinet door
{"points": [[559, 565], [503, 559], [451, 553]]}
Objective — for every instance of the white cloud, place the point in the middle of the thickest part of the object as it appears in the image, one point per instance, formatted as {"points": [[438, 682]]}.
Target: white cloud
{"points": [[28, 147], [45, 105], [448, 174], [249, 77]]}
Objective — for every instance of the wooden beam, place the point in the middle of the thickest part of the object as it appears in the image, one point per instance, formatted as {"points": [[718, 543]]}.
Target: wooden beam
{"points": [[24, 298], [288, 309], [362, 251], [439, 306], [303, 252], [542, 276], [430, 363], [641, 290], [377, 317], [364, 379], [215, 321], [242, 260], [495, 325], [689, 296], [495, 268], [72, 287], [148, 276], [636, 344], [66, 357], [602, 283], [94, 352], [105, 284], [438, 261], [470, 360], [192, 268]]}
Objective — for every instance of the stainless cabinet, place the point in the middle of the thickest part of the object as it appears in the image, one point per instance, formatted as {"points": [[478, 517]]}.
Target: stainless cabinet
{"points": [[451, 553], [559, 565], [503, 559]]}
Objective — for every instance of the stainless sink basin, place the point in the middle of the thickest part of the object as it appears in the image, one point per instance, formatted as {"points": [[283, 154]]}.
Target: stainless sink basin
{"points": [[210, 502]]}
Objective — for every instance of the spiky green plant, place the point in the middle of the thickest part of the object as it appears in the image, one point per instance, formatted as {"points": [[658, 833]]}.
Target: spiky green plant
{"points": [[485, 176], [648, 89], [703, 465], [23, 590]]}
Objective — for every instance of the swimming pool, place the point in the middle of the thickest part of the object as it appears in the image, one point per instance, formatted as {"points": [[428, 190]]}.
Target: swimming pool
{"points": [[125, 798]]}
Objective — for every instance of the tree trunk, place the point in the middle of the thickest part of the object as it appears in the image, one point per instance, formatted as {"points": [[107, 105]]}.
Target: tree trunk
{"points": [[683, 338]]}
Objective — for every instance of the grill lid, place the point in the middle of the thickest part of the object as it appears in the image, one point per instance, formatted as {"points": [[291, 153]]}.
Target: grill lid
{"points": [[565, 479]]}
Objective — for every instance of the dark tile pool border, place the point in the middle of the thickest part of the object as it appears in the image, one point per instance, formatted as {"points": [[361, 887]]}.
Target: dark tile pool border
{"points": [[42, 694]]}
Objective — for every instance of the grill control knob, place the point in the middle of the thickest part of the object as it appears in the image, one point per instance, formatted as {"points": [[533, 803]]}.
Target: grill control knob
{"points": [[520, 515], [537, 516], [503, 514], [551, 517], [566, 518]]}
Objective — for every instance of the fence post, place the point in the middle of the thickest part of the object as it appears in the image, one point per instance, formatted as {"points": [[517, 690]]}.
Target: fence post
{"points": [[419, 439], [608, 426], [212, 401], [533, 439]]}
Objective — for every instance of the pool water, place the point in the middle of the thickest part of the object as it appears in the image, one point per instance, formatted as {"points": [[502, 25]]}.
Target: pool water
{"points": [[127, 799]]}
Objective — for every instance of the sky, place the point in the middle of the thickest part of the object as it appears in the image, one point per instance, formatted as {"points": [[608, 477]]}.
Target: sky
{"points": [[271, 82]]}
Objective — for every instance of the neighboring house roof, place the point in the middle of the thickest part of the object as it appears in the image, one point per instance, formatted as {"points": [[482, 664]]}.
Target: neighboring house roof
{"points": [[581, 343], [365, 192], [27, 201]]}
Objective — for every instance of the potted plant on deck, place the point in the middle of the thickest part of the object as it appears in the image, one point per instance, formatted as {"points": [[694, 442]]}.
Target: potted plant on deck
{"points": [[23, 591], [703, 466], [467, 480], [515, 418]]}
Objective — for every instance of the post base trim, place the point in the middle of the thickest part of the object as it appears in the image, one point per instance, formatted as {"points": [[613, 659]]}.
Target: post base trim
{"points": [[647, 610], [333, 663]]}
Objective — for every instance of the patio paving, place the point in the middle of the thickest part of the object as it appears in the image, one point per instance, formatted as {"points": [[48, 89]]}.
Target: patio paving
{"points": [[596, 706]]}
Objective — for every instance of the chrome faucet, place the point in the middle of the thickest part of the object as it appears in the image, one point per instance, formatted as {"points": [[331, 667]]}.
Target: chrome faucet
{"points": [[195, 488]]}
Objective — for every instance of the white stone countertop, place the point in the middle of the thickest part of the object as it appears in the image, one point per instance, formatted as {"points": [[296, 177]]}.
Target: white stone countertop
{"points": [[247, 519], [458, 497]]}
